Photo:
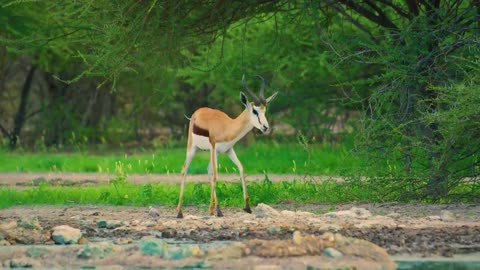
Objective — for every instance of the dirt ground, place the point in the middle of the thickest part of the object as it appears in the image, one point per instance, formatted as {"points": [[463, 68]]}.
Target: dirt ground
{"points": [[401, 229]]}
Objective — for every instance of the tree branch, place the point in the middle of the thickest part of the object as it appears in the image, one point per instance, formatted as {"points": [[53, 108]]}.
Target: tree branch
{"points": [[355, 22], [398, 9], [381, 19], [4, 131], [413, 7]]}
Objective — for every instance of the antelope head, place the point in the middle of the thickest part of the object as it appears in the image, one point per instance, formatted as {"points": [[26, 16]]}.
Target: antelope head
{"points": [[258, 106]]}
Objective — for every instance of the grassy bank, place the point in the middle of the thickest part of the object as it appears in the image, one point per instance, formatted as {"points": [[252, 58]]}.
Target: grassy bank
{"points": [[261, 157], [121, 192]]}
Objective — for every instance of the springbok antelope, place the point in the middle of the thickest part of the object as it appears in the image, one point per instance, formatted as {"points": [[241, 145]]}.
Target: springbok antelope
{"points": [[213, 130]]}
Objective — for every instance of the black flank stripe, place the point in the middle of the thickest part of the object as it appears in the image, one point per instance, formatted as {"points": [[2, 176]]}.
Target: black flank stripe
{"points": [[200, 131]]}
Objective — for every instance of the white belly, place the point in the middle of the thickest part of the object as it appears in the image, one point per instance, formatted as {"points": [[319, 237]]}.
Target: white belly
{"points": [[203, 143]]}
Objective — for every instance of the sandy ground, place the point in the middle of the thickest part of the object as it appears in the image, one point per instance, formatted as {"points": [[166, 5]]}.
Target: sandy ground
{"points": [[27, 178], [408, 230]]}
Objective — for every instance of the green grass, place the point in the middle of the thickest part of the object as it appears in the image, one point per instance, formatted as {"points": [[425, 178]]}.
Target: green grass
{"points": [[268, 157], [229, 194], [263, 157]]}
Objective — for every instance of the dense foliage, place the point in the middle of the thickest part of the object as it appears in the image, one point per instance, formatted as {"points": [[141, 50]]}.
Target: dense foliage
{"points": [[116, 71]]}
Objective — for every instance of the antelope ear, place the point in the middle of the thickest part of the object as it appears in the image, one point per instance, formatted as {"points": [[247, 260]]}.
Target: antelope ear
{"points": [[270, 98], [244, 99]]}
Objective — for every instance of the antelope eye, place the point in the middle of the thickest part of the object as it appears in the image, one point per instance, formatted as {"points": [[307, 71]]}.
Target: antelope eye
{"points": [[255, 112]]}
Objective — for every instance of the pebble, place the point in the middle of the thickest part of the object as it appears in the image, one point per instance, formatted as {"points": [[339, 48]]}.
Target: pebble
{"points": [[263, 211], [273, 229], [153, 211], [65, 235], [153, 247], [447, 216], [332, 253], [354, 212]]}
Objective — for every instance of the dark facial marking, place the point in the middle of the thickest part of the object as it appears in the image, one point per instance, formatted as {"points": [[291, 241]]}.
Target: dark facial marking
{"points": [[200, 131]]}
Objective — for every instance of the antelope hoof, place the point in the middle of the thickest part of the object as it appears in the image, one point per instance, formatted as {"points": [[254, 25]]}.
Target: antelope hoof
{"points": [[219, 213], [180, 215], [247, 209]]}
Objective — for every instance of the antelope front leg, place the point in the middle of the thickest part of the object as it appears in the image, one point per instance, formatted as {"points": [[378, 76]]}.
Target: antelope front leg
{"points": [[231, 154]]}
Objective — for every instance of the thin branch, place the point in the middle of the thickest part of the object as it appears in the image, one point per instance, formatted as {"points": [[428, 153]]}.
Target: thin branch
{"points": [[398, 9], [380, 19], [4, 131], [413, 7], [355, 22]]}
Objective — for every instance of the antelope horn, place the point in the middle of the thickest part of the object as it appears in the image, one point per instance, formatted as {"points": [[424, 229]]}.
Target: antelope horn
{"points": [[262, 90], [255, 99]]}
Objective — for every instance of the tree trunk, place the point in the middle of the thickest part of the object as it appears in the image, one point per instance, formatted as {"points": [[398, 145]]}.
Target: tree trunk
{"points": [[22, 108]]}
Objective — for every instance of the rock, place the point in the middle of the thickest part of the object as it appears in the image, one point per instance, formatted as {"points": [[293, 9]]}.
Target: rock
{"points": [[8, 226], [83, 240], [112, 224], [153, 211], [109, 224], [36, 252], [4, 243], [178, 253], [101, 223], [234, 251], [332, 253], [297, 238], [328, 239], [339, 239], [96, 251], [273, 230], [23, 262], [394, 215], [123, 241], [354, 212], [30, 224], [447, 216], [153, 247], [263, 211], [39, 180], [65, 235]]}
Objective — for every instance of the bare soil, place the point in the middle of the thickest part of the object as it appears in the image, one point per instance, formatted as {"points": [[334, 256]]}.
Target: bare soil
{"points": [[401, 229]]}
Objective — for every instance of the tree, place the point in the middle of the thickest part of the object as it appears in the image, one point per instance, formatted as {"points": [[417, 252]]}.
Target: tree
{"points": [[428, 52]]}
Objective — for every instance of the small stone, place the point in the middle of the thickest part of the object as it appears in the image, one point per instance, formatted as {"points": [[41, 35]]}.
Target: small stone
{"points": [[273, 229], [4, 243], [354, 212], [101, 223], [153, 211], [36, 252], [263, 211], [447, 216], [329, 239], [8, 226], [297, 238], [339, 239], [22, 262], [30, 224], [97, 250], [39, 180], [393, 215], [83, 240], [112, 224], [154, 247], [65, 235], [123, 241], [233, 251], [332, 253]]}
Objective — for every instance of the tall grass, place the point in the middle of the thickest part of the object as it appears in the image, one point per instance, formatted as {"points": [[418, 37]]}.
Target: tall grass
{"points": [[262, 157], [229, 194]]}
